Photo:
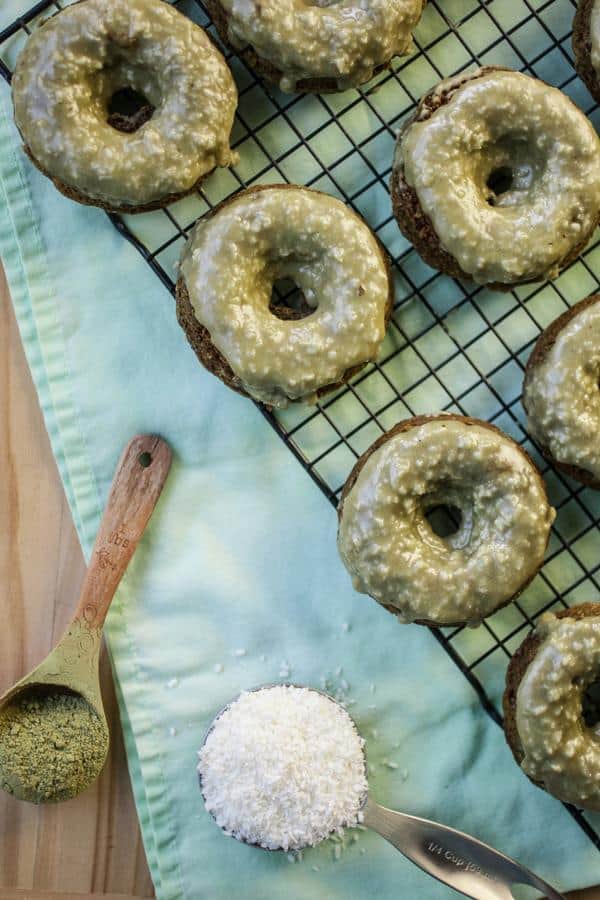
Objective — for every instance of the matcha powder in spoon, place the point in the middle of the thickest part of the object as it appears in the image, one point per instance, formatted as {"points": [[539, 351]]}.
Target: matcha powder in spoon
{"points": [[52, 745]]}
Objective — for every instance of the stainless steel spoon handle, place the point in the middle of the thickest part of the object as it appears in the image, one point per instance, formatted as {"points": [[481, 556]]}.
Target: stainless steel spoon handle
{"points": [[458, 860]]}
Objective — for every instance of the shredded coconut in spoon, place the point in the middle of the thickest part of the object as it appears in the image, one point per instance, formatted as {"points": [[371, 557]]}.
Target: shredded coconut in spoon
{"points": [[283, 767]]}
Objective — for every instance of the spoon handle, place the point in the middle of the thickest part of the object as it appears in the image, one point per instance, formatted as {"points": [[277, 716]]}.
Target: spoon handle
{"points": [[136, 487], [458, 860]]}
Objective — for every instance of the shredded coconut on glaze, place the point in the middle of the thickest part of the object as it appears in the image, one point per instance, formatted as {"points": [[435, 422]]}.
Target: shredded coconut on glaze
{"points": [[505, 121], [231, 262], [394, 555], [562, 396], [560, 751], [73, 64], [283, 768], [345, 40]]}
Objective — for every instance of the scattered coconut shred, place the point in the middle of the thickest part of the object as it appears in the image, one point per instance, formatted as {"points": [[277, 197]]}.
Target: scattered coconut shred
{"points": [[283, 767]]}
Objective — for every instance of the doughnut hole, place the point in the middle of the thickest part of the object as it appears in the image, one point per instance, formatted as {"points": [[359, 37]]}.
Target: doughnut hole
{"points": [[444, 520], [128, 110], [446, 515], [590, 706], [501, 180], [288, 300], [509, 171], [127, 94]]}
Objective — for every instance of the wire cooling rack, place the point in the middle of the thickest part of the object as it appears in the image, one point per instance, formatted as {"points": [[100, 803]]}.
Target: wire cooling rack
{"points": [[450, 346]]}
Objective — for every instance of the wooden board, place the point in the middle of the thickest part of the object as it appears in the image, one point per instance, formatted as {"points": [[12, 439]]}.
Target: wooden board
{"points": [[91, 846]]}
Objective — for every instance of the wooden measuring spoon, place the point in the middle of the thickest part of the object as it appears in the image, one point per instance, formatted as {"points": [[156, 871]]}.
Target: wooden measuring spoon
{"points": [[73, 666]]}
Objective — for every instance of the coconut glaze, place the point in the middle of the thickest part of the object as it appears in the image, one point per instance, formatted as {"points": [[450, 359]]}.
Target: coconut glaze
{"points": [[561, 752], [345, 40], [562, 396], [73, 64], [233, 258], [504, 122], [391, 550]]}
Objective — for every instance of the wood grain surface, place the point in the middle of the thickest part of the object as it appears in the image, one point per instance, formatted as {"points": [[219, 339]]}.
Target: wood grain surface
{"points": [[133, 495], [89, 847]]}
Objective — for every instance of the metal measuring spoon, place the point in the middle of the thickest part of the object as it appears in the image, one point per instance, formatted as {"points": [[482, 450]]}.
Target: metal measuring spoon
{"points": [[73, 666], [462, 862]]}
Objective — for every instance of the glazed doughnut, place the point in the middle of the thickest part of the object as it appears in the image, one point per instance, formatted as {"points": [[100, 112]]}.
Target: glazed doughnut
{"points": [[544, 705], [228, 268], [317, 46], [497, 178], [392, 552], [79, 59], [561, 395]]}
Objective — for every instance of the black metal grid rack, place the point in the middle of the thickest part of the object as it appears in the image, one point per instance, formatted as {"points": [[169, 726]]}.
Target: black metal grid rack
{"points": [[450, 345]]}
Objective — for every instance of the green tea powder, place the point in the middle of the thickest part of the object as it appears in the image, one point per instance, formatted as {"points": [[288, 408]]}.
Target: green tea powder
{"points": [[52, 746]]}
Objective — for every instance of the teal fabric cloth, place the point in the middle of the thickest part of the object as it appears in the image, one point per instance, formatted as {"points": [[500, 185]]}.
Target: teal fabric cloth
{"points": [[238, 571]]}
